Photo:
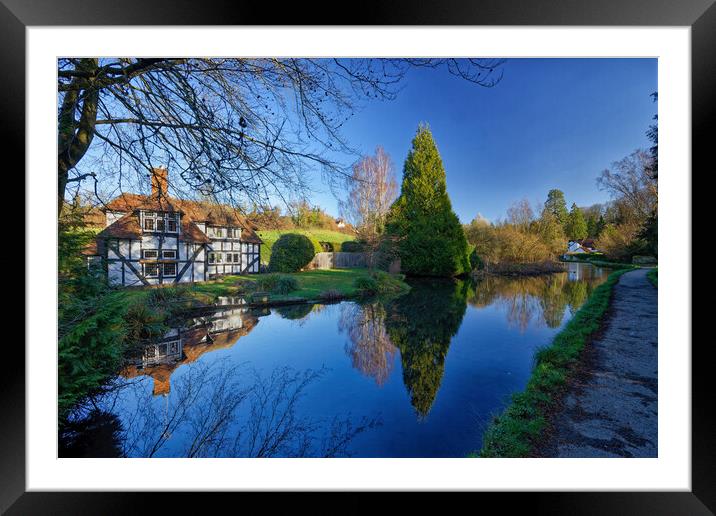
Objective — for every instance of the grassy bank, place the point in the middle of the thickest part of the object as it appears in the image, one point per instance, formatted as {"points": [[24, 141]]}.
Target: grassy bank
{"points": [[269, 238], [517, 431], [653, 277], [312, 285]]}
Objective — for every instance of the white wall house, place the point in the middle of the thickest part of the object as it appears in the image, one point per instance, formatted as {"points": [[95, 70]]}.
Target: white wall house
{"points": [[574, 247], [154, 239]]}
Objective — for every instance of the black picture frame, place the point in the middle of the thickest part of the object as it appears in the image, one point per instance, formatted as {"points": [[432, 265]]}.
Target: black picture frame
{"points": [[700, 15]]}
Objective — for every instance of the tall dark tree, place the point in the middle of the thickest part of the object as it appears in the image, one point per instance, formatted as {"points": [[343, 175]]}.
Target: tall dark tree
{"points": [[557, 205], [428, 235], [235, 129]]}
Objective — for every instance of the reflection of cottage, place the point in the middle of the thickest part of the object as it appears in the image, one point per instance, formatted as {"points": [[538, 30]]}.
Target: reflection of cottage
{"points": [[156, 239], [220, 330]]}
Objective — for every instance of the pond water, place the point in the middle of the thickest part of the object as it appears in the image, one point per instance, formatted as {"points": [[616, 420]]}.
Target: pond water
{"points": [[417, 376]]}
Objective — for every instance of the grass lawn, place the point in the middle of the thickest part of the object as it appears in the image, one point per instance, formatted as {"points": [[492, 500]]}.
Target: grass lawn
{"points": [[653, 276], [322, 235], [311, 284]]}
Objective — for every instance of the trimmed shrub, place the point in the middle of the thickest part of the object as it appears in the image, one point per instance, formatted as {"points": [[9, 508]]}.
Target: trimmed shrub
{"points": [[292, 252]]}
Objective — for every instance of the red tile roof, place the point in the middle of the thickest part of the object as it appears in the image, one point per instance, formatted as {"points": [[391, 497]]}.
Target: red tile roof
{"points": [[192, 211]]}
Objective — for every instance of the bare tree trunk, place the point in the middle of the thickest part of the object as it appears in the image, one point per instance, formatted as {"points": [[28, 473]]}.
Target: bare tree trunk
{"points": [[75, 136]]}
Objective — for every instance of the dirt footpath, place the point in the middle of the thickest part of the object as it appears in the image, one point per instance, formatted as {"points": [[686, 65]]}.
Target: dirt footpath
{"points": [[611, 408]]}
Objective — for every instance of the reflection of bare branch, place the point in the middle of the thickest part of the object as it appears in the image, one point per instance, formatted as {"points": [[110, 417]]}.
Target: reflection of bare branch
{"points": [[369, 347], [211, 413]]}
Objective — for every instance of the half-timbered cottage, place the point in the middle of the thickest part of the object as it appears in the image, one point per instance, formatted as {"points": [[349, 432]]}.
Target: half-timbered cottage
{"points": [[155, 239]]}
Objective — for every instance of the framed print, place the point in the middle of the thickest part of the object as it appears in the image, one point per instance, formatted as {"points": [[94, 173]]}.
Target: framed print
{"points": [[415, 252]]}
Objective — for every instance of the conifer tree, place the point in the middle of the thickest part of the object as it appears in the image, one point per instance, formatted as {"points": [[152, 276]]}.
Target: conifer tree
{"points": [[576, 225], [428, 235]]}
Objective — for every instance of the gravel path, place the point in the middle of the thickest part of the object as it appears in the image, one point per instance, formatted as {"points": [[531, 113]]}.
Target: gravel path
{"points": [[611, 410]]}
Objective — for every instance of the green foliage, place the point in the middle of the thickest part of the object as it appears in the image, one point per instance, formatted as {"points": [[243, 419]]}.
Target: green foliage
{"points": [[270, 237], [366, 285], [350, 246], [475, 261], [292, 252], [515, 432], [276, 283], [653, 277], [429, 238], [576, 227], [557, 206], [380, 283]]}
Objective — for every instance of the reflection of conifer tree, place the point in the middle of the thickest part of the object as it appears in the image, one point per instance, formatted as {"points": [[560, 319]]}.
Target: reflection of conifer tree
{"points": [[369, 346], [421, 324]]}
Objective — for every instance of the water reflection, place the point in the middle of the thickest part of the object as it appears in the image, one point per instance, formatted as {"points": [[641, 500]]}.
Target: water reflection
{"points": [[369, 345], [421, 325], [319, 380], [218, 330]]}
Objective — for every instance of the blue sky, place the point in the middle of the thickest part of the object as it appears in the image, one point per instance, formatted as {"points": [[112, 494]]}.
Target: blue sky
{"points": [[550, 123]]}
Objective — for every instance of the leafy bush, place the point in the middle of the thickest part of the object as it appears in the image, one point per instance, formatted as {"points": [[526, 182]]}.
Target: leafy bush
{"points": [[380, 282], [285, 284], [277, 283], [292, 252], [366, 285]]}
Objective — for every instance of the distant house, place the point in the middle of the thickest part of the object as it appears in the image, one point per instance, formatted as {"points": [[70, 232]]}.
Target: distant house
{"points": [[155, 239], [574, 247], [340, 223]]}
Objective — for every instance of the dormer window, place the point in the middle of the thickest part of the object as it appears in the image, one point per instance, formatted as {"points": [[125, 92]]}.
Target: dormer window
{"points": [[160, 222]]}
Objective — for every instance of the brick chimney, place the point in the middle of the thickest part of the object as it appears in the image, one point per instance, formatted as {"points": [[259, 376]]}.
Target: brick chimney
{"points": [[159, 177]]}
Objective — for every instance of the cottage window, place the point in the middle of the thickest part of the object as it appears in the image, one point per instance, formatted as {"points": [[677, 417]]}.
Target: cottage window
{"points": [[229, 258], [151, 270], [170, 269], [236, 258], [170, 254], [212, 257], [150, 254], [160, 222]]}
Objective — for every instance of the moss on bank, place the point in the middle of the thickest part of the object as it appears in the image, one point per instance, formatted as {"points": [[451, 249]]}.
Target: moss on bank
{"points": [[516, 431]]}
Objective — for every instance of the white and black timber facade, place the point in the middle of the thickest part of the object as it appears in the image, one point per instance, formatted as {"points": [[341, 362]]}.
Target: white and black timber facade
{"points": [[154, 239]]}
